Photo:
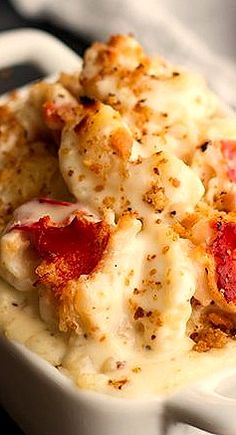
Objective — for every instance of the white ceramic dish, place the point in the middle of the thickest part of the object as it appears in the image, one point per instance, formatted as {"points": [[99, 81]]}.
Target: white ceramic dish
{"points": [[42, 400]]}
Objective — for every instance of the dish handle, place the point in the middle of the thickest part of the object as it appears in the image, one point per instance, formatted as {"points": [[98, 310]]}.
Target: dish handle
{"points": [[38, 47], [204, 409]]}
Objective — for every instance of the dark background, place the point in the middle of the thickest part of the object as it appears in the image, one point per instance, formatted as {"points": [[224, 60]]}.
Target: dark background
{"points": [[18, 76]]}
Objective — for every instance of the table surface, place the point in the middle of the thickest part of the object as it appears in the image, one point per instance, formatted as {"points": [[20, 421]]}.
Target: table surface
{"points": [[9, 19]]}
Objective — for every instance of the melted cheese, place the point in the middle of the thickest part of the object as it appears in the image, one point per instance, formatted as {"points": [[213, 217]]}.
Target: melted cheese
{"points": [[105, 366], [134, 159]]}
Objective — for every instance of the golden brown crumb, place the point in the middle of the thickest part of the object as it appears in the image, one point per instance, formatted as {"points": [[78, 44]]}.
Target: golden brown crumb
{"points": [[121, 142], [220, 320], [181, 230], [165, 249], [99, 188], [156, 197], [212, 329], [225, 201], [208, 338], [139, 313], [118, 384], [108, 201], [136, 370], [151, 257], [174, 181], [189, 221], [120, 364]]}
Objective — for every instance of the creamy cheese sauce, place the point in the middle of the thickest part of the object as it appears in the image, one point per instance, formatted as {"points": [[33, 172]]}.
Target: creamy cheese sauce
{"points": [[95, 366], [131, 311]]}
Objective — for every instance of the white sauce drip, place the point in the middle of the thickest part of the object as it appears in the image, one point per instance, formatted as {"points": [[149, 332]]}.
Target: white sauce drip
{"points": [[91, 365]]}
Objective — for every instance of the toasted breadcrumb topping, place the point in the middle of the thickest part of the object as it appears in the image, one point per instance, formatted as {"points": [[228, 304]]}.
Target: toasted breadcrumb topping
{"points": [[118, 212]]}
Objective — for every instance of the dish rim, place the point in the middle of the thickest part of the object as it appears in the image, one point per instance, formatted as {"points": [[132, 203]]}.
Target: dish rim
{"points": [[18, 46]]}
